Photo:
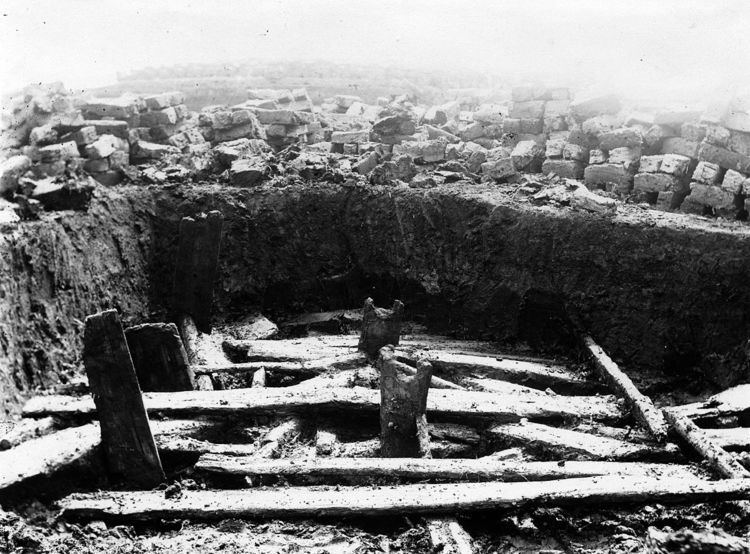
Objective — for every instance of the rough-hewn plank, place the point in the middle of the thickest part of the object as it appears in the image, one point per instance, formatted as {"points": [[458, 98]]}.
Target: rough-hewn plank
{"points": [[441, 403], [45, 455], [417, 469], [306, 368], [531, 374], [731, 402], [643, 408], [734, 438], [159, 357], [196, 267], [16, 432], [568, 444], [129, 447], [403, 499], [448, 537]]}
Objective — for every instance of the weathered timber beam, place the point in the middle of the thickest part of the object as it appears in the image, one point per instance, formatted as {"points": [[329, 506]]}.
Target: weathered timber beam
{"points": [[306, 368], [16, 432], [441, 403], [643, 408], [719, 459], [131, 454], [447, 469], [734, 438], [397, 500], [58, 450], [448, 537], [731, 402], [159, 357], [532, 374], [568, 444]]}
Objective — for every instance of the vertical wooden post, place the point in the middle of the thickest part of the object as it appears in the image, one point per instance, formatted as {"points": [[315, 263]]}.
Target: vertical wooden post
{"points": [[126, 435], [380, 327], [403, 401], [159, 357], [196, 267]]}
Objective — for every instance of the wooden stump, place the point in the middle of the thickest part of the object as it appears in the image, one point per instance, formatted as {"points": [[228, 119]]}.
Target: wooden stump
{"points": [[196, 267], [160, 360], [380, 327], [403, 400], [126, 434]]}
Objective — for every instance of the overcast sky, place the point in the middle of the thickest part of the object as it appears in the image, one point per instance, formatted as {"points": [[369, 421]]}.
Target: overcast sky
{"points": [[640, 47]]}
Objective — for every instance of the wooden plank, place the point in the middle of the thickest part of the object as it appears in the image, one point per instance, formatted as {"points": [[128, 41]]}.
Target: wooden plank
{"points": [[734, 438], [441, 403], [438, 469], [399, 500], [45, 455], [15, 432], [53, 452], [643, 408], [731, 402], [531, 374], [305, 368], [159, 357], [196, 267], [448, 537], [128, 443], [568, 444], [719, 459]]}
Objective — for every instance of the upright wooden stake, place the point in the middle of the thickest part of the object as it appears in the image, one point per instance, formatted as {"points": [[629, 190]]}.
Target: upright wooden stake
{"points": [[403, 400], [159, 357], [380, 327], [196, 267], [126, 435]]}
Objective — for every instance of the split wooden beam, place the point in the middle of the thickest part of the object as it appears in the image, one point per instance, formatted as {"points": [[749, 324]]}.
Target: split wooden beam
{"points": [[442, 404], [724, 463], [568, 444], [380, 327], [403, 402], [728, 404], [193, 342], [129, 446], [196, 267], [448, 537], [159, 357], [340, 501], [336, 469], [641, 405]]}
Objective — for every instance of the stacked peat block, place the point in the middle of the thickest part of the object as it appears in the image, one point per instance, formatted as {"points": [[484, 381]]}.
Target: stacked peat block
{"points": [[483, 126], [565, 158], [662, 179], [222, 123], [720, 183], [284, 127]]}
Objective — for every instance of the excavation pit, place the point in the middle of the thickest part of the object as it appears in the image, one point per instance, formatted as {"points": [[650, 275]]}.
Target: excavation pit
{"points": [[490, 282]]}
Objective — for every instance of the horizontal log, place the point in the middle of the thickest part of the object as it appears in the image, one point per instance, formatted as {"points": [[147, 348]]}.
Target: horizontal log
{"points": [[621, 384], [310, 348], [735, 438], [399, 500], [568, 444], [502, 387], [440, 403], [45, 455], [532, 374], [417, 469], [58, 450], [303, 368], [731, 402], [26, 429]]}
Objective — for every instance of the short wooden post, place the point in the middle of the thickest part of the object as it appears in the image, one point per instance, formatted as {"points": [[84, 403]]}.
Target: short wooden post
{"points": [[196, 267], [403, 401], [160, 360], [380, 327], [126, 435]]}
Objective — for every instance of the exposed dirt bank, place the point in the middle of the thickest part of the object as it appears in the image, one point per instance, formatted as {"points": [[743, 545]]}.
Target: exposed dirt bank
{"points": [[659, 291]]}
